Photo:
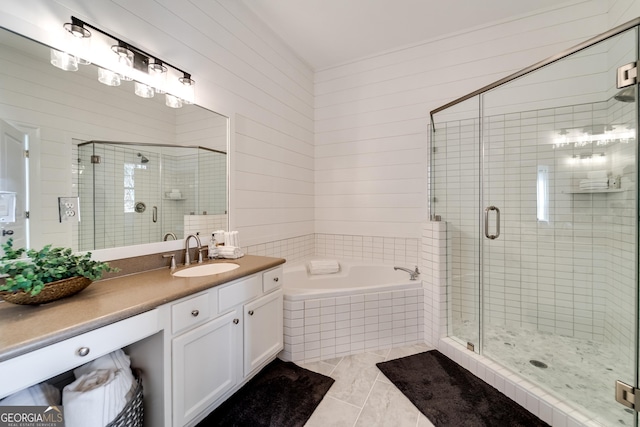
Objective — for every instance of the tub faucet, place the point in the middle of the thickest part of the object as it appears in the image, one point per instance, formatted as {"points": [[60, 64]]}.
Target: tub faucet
{"points": [[413, 273], [169, 234], [187, 257]]}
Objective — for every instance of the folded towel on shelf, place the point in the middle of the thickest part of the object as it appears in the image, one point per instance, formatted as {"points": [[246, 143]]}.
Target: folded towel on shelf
{"points": [[594, 184], [230, 252], [42, 394], [323, 266], [96, 398]]}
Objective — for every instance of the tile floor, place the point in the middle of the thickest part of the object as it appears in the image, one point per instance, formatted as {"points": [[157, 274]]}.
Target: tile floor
{"points": [[362, 395]]}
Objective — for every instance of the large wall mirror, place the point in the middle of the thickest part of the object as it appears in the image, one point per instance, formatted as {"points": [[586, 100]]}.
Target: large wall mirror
{"points": [[138, 171]]}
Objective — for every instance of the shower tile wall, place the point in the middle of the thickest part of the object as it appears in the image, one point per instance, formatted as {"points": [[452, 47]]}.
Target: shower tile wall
{"points": [[362, 248], [549, 276], [369, 248]]}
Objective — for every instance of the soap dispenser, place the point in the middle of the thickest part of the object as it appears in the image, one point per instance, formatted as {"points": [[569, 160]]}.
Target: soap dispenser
{"points": [[213, 247]]}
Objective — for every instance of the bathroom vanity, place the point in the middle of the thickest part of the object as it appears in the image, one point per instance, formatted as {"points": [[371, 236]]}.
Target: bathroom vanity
{"points": [[196, 340]]}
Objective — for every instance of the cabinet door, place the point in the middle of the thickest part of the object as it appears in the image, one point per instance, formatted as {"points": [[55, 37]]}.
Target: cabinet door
{"points": [[204, 366], [263, 330]]}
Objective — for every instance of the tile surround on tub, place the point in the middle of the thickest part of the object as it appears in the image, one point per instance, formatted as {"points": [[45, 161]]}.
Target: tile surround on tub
{"points": [[362, 248], [321, 329]]}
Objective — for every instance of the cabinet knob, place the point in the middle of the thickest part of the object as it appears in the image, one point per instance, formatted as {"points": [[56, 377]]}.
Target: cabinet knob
{"points": [[83, 351], [236, 321], [275, 279], [250, 312], [195, 313]]}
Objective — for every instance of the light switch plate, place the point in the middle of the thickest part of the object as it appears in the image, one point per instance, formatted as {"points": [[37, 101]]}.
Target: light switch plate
{"points": [[69, 209]]}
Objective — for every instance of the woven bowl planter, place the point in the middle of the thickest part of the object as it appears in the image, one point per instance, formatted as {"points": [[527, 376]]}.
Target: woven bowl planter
{"points": [[51, 292]]}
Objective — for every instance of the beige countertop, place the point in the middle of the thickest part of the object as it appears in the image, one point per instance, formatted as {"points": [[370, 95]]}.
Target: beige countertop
{"points": [[27, 328]]}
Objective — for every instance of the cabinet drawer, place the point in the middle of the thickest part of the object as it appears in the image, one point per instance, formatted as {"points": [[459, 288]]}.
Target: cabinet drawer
{"points": [[39, 365], [190, 312], [272, 279], [239, 292]]}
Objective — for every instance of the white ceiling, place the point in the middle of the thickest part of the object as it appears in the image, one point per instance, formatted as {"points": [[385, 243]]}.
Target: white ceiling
{"points": [[331, 32]]}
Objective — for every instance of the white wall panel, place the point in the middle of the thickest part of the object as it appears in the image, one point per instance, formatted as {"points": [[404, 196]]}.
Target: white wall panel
{"points": [[365, 106]]}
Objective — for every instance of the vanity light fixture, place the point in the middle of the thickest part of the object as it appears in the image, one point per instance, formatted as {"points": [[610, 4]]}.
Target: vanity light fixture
{"points": [[188, 84], [64, 60], [151, 74], [79, 38], [125, 60], [172, 101], [143, 90], [158, 74], [108, 77]]}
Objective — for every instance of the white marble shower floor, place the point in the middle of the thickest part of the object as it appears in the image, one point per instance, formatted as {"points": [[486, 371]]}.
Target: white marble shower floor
{"points": [[578, 370]]}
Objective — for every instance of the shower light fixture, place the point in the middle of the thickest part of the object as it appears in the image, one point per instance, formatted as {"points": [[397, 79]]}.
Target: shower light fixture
{"points": [[151, 74]]}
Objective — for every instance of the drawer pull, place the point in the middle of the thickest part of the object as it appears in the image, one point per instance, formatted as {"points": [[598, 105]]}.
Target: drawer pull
{"points": [[83, 351], [250, 312], [275, 279], [236, 321], [195, 313]]}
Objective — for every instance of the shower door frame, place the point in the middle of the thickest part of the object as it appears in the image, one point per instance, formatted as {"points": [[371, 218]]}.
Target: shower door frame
{"points": [[433, 215]]}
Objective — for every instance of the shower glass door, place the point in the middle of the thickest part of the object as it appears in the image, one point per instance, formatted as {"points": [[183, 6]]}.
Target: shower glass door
{"points": [[559, 226]]}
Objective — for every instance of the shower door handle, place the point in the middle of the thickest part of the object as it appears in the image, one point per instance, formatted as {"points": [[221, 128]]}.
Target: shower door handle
{"points": [[154, 217], [486, 223]]}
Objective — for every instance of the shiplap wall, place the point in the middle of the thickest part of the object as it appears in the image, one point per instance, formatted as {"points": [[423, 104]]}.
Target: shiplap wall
{"points": [[372, 114], [242, 71]]}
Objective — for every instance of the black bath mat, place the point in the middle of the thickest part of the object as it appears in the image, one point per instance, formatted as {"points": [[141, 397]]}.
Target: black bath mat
{"points": [[449, 395], [281, 395]]}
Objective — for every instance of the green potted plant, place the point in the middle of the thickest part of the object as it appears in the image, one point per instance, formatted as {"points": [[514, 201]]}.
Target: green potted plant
{"points": [[47, 274]]}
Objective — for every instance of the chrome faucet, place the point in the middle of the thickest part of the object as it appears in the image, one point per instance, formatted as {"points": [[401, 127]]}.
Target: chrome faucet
{"points": [[187, 257], [169, 234], [413, 273]]}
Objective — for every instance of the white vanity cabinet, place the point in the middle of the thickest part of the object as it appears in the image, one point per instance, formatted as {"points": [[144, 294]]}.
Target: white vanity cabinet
{"points": [[237, 329], [263, 330], [204, 366]]}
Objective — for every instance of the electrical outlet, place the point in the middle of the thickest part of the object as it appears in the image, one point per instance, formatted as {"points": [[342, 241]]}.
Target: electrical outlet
{"points": [[69, 208]]}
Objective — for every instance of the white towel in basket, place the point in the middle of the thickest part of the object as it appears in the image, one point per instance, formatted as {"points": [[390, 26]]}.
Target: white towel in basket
{"points": [[95, 399], [116, 360], [323, 266], [42, 394]]}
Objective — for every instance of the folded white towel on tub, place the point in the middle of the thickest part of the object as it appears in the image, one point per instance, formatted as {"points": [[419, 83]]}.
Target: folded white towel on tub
{"points": [[323, 266]]}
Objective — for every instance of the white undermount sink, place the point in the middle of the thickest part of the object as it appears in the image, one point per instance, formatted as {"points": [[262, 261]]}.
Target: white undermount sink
{"points": [[206, 270]]}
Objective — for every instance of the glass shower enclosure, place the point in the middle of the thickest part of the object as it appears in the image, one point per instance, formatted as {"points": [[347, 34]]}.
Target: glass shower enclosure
{"points": [[133, 193], [536, 179]]}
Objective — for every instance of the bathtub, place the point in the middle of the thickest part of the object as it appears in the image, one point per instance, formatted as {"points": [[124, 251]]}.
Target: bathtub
{"points": [[363, 307], [354, 278]]}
